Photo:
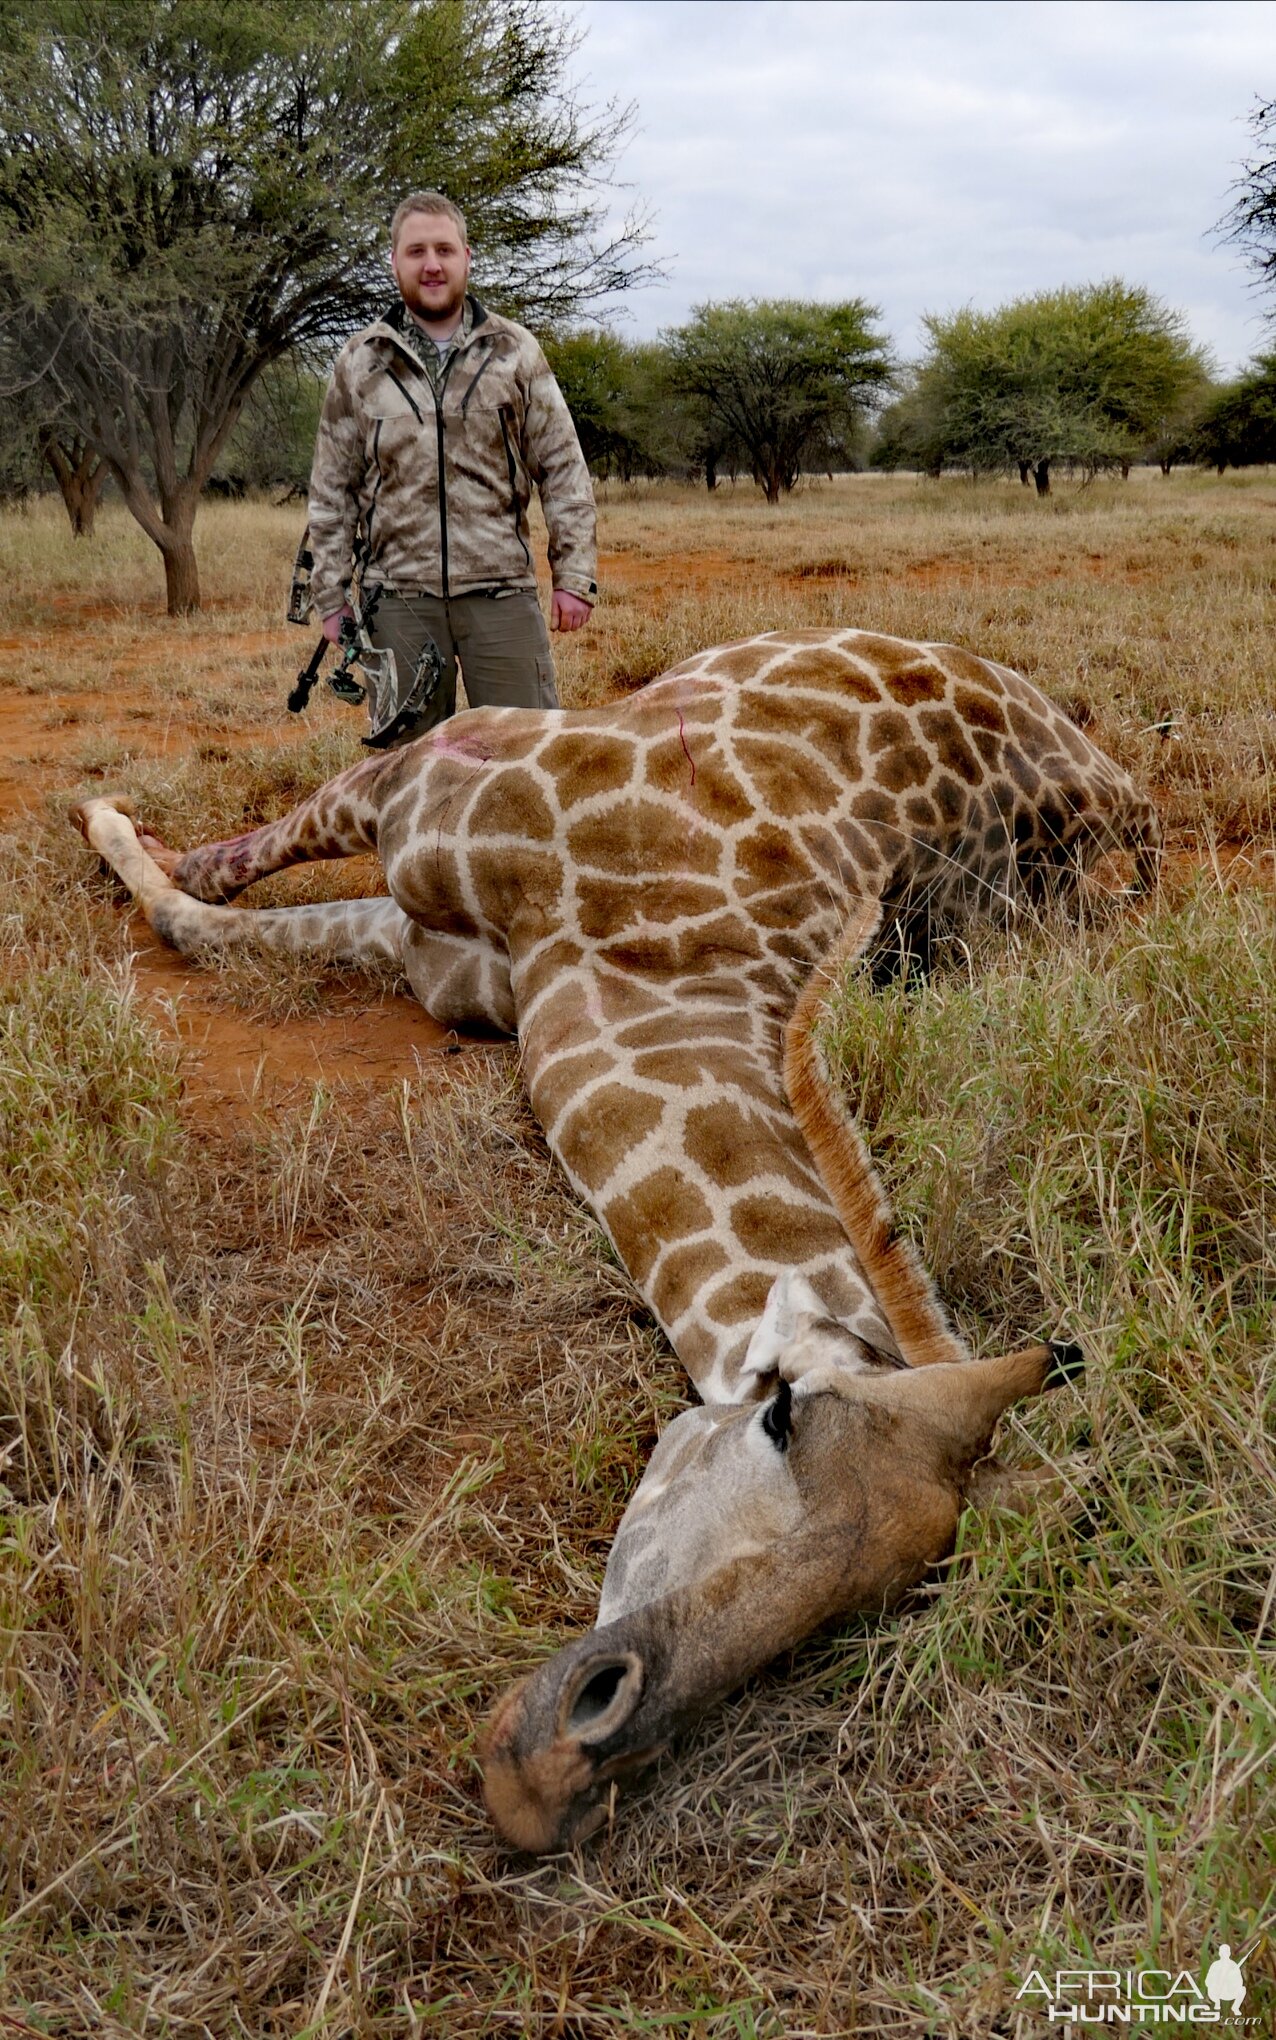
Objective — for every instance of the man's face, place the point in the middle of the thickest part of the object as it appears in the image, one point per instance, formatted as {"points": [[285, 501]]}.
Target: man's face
{"points": [[431, 264]]}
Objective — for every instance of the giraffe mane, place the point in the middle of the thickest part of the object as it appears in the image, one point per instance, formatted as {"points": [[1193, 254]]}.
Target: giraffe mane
{"points": [[890, 1262]]}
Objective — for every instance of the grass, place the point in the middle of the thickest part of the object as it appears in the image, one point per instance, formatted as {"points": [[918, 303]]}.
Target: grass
{"points": [[316, 1419]]}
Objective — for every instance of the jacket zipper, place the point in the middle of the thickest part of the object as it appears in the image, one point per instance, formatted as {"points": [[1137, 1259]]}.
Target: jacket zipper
{"points": [[440, 455], [486, 364], [513, 475], [404, 391], [439, 395]]}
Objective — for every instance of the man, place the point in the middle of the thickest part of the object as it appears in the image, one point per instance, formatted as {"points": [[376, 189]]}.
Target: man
{"points": [[439, 418]]}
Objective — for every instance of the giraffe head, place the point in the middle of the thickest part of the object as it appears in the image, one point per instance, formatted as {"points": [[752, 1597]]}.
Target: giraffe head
{"points": [[754, 1524]]}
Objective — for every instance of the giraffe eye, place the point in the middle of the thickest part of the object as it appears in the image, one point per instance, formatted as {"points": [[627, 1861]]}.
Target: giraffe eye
{"points": [[777, 1417]]}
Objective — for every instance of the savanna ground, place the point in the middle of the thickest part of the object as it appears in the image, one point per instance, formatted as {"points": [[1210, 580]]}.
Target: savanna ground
{"points": [[321, 1396]]}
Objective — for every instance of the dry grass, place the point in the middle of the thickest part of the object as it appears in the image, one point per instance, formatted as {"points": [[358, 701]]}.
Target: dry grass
{"points": [[314, 1427]]}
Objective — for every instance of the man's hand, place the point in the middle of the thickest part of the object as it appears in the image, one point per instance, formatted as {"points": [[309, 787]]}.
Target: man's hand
{"points": [[332, 624], [568, 612]]}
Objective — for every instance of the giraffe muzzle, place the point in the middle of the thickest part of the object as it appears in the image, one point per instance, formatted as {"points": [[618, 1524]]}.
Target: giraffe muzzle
{"points": [[559, 1742]]}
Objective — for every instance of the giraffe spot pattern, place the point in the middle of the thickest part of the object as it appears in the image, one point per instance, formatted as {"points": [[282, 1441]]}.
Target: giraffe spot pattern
{"points": [[633, 838], [612, 1121], [555, 1084], [771, 1228], [605, 907], [739, 662], [902, 767], [505, 887], [786, 783], [770, 856], [732, 1145], [916, 683], [686, 1270], [512, 804], [662, 1208], [586, 763], [977, 711], [740, 1300]]}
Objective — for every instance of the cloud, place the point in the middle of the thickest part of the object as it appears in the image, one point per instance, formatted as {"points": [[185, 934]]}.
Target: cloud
{"points": [[924, 156]]}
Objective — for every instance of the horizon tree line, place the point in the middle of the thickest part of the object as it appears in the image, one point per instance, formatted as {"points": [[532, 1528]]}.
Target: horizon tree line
{"points": [[192, 220]]}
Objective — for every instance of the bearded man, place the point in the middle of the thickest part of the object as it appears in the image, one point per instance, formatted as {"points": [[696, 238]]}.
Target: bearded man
{"points": [[439, 419]]}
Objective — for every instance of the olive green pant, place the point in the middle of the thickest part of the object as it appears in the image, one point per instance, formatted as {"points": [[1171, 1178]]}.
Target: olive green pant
{"points": [[499, 641]]}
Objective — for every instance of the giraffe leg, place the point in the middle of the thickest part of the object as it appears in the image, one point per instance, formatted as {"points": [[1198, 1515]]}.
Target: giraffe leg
{"points": [[461, 980], [340, 931], [339, 820]]}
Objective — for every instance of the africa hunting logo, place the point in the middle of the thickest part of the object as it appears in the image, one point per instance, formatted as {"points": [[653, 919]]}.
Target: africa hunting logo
{"points": [[1141, 1997]]}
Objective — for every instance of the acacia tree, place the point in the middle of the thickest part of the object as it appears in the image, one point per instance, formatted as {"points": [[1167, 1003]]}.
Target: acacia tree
{"points": [[1085, 375], [1238, 429], [613, 389], [910, 432], [191, 190], [1251, 220], [1173, 436], [79, 470], [35, 441], [780, 378]]}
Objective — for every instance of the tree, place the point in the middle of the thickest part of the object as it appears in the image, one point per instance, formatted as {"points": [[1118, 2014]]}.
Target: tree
{"points": [[1251, 222], [22, 466], [80, 473], [37, 441], [1084, 375], [1173, 437], [272, 445], [1238, 429], [780, 378], [910, 432], [614, 390], [192, 190]]}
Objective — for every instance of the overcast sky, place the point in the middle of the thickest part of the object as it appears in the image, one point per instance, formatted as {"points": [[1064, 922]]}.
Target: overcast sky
{"points": [[924, 155]]}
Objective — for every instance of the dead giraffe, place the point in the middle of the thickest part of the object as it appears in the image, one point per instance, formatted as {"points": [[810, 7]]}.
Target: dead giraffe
{"points": [[653, 896]]}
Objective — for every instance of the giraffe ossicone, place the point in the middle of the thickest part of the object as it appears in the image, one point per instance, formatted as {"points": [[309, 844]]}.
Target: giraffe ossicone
{"points": [[655, 896]]}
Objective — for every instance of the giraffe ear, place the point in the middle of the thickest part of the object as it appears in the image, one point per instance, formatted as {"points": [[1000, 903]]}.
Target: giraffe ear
{"points": [[791, 1304]]}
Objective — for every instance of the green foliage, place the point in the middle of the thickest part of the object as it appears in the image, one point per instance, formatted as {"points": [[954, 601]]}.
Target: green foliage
{"points": [[272, 445], [1238, 429], [1088, 375], [22, 466], [617, 392], [910, 432], [190, 192], [783, 381]]}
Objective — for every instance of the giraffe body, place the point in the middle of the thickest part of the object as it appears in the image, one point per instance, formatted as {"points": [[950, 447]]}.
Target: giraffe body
{"points": [[641, 892]]}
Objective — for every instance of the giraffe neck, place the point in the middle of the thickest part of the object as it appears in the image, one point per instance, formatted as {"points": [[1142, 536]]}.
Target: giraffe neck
{"points": [[660, 876], [671, 1120]]}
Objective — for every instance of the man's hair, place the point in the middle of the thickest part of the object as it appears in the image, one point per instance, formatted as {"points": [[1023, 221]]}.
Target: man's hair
{"points": [[427, 202]]}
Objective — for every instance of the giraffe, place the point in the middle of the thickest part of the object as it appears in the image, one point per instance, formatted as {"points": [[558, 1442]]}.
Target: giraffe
{"points": [[655, 895]]}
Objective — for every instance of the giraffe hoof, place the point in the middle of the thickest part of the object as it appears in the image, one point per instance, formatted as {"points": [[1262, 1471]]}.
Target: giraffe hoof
{"points": [[1066, 1361], [115, 803]]}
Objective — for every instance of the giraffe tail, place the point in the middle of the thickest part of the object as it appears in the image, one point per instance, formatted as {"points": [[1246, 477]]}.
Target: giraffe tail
{"points": [[889, 1260]]}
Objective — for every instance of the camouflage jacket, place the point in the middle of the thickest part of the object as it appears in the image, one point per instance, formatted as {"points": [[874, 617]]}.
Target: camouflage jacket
{"points": [[441, 488]]}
